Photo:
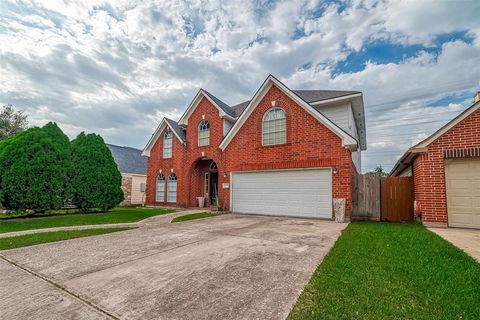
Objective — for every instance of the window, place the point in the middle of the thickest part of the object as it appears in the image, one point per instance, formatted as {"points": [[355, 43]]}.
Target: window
{"points": [[207, 183], [167, 144], [204, 133], [274, 128], [172, 188], [160, 192], [143, 187]]}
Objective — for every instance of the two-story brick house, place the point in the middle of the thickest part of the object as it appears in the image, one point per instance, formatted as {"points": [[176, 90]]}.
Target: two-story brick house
{"points": [[283, 152]]}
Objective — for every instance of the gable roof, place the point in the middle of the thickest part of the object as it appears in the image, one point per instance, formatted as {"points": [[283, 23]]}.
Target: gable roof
{"points": [[129, 160], [320, 97], [310, 96], [224, 109], [177, 130], [174, 127], [421, 147], [347, 140]]}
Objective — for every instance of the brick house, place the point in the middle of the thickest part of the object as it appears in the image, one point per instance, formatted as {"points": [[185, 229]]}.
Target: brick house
{"points": [[133, 168], [283, 152], [446, 172]]}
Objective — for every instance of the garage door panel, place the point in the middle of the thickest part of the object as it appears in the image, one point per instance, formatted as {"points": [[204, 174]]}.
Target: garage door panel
{"points": [[305, 193], [463, 192]]}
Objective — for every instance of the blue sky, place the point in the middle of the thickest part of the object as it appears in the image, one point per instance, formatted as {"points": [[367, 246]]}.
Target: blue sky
{"points": [[117, 68]]}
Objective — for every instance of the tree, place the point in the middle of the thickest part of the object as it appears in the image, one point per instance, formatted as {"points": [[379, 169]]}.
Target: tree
{"points": [[95, 179], [379, 170], [33, 169], [11, 121]]}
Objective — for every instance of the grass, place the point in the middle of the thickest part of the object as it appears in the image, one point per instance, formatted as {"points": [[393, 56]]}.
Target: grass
{"points": [[37, 238], [117, 215], [391, 271], [194, 216]]}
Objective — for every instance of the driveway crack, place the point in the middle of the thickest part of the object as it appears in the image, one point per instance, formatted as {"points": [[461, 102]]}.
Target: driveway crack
{"points": [[136, 259], [60, 287]]}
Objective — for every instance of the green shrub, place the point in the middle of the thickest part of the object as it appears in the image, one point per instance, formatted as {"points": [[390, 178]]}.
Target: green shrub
{"points": [[94, 176], [33, 169]]}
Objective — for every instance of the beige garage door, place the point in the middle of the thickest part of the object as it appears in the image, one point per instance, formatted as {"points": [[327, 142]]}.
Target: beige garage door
{"points": [[463, 192]]}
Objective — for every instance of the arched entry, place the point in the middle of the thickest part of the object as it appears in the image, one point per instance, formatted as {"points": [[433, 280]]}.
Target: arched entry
{"points": [[205, 182]]}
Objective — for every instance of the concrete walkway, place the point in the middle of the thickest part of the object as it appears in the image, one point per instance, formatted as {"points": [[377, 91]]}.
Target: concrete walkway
{"points": [[466, 239], [164, 218]]}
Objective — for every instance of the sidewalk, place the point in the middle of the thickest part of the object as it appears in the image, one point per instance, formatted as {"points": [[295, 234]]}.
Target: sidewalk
{"points": [[160, 219], [466, 239]]}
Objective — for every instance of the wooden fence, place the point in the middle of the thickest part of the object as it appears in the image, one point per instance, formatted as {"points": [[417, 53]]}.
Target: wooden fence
{"points": [[366, 197], [386, 199], [397, 196]]}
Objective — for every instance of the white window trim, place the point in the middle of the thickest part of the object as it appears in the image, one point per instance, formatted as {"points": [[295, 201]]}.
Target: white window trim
{"points": [[206, 184], [176, 188], [170, 139], [205, 130], [156, 189], [263, 122]]}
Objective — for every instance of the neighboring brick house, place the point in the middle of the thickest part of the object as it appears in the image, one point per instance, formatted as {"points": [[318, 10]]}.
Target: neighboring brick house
{"points": [[446, 172], [283, 152], [133, 167]]}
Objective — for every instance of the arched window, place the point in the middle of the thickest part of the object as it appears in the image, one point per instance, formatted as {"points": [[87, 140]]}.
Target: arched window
{"points": [[167, 144], [213, 167], [204, 133], [160, 191], [172, 188], [274, 127]]}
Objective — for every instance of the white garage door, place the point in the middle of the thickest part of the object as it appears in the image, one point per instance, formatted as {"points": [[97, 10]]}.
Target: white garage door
{"points": [[463, 192], [301, 193]]}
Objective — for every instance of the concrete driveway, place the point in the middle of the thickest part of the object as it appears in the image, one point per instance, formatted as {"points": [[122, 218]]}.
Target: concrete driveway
{"points": [[227, 267]]}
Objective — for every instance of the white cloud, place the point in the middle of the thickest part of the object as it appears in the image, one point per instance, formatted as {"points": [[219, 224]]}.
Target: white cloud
{"points": [[116, 68]]}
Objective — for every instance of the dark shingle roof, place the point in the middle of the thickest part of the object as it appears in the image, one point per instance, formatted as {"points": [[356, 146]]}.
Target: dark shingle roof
{"points": [[307, 95], [240, 107], [319, 95], [129, 160], [225, 107], [178, 130]]}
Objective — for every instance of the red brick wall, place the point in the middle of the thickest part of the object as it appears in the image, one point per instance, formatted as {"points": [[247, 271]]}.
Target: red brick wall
{"points": [[429, 169], [175, 163], [309, 144]]}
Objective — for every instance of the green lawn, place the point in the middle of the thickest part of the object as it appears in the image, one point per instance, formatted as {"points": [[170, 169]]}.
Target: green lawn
{"points": [[37, 238], [392, 271], [194, 216], [117, 215]]}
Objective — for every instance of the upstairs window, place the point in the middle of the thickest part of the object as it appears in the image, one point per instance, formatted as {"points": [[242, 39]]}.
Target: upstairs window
{"points": [[167, 144], [172, 188], [160, 191], [274, 127], [204, 133]]}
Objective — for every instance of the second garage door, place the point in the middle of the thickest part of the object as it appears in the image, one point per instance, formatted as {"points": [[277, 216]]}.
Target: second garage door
{"points": [[463, 192], [301, 193]]}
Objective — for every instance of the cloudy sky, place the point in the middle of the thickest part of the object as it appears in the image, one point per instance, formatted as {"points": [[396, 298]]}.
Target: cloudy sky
{"points": [[116, 68]]}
